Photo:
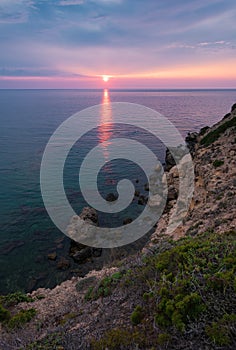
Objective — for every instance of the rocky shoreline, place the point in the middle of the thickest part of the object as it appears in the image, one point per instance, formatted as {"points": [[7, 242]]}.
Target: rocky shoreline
{"points": [[80, 313]]}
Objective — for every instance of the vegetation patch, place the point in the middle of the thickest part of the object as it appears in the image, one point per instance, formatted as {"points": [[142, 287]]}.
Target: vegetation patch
{"points": [[119, 338], [104, 288], [21, 318], [222, 332], [185, 287], [137, 315], [213, 135], [4, 314], [217, 163], [53, 341], [14, 299], [85, 282]]}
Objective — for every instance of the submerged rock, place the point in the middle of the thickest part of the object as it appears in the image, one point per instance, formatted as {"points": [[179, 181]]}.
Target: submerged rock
{"points": [[63, 264], [82, 255], [127, 221], [111, 197], [142, 200], [10, 246], [52, 256]]}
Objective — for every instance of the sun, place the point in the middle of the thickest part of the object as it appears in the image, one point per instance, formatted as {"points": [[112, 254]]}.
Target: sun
{"points": [[105, 78]]}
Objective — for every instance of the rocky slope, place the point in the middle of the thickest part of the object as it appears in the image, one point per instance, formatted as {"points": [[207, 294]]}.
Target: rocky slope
{"points": [[119, 307], [214, 202]]}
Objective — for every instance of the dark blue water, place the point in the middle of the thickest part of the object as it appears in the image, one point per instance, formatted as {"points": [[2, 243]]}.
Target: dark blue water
{"points": [[27, 119]]}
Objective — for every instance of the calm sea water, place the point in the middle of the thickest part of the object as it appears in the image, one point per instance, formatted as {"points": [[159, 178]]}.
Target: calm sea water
{"points": [[27, 119]]}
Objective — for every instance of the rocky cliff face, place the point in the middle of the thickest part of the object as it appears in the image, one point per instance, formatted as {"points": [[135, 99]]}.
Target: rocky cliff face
{"points": [[214, 202], [80, 310]]}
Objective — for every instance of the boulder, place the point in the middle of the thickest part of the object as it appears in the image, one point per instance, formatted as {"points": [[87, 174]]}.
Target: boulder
{"points": [[191, 141], [172, 193], [169, 160], [89, 214]]}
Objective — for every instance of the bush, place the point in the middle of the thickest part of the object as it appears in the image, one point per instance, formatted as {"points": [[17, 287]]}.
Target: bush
{"points": [[4, 314], [182, 286], [104, 287], [52, 341], [119, 338], [137, 315], [218, 163], [15, 298], [181, 281], [21, 318], [213, 135], [221, 332], [163, 339]]}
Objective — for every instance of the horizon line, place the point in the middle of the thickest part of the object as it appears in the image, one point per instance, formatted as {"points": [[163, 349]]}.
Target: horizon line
{"points": [[128, 89]]}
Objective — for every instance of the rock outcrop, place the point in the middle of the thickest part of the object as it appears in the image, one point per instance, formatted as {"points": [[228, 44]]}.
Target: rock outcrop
{"points": [[79, 252], [213, 205]]}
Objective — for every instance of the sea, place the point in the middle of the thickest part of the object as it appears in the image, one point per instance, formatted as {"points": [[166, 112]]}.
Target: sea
{"points": [[28, 118]]}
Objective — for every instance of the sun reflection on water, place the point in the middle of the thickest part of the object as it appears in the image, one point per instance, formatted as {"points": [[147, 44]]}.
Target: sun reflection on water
{"points": [[105, 128]]}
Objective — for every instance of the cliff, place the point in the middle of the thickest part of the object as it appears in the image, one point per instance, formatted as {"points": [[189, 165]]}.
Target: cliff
{"points": [[178, 293]]}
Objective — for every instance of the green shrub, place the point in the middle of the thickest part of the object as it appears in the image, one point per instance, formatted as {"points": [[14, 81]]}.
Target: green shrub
{"points": [[52, 341], [137, 315], [15, 298], [163, 339], [85, 283], [104, 288], [119, 338], [220, 332], [213, 135], [205, 263], [4, 314], [181, 286], [21, 318], [217, 163]]}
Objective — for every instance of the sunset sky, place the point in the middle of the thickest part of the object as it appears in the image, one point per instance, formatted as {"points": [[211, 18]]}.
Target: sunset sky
{"points": [[137, 43]]}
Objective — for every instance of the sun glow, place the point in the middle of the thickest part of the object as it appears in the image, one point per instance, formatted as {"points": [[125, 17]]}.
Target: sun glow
{"points": [[105, 78]]}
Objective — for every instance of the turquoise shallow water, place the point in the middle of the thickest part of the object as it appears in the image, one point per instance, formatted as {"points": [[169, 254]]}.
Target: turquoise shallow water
{"points": [[27, 120]]}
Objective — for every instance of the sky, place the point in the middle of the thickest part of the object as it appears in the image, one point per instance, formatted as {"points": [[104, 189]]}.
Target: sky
{"points": [[136, 43]]}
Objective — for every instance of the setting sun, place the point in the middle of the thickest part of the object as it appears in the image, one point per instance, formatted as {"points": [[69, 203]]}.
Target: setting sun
{"points": [[105, 78]]}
